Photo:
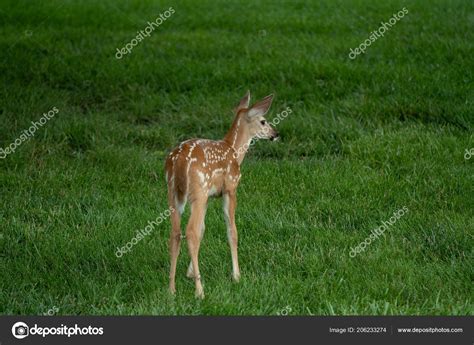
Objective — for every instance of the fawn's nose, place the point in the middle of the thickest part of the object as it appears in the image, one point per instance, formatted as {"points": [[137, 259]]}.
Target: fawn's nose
{"points": [[275, 136]]}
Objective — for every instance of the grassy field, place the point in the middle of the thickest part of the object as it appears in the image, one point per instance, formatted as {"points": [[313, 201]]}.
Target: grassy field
{"points": [[366, 137]]}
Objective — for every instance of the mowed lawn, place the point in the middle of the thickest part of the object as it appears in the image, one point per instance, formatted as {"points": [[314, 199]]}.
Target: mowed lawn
{"points": [[366, 137]]}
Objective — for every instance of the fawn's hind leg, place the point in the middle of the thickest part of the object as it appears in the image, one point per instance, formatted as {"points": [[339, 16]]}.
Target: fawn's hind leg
{"points": [[190, 272], [193, 229], [175, 240]]}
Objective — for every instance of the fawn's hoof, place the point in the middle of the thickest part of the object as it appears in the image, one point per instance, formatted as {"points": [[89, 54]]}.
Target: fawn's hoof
{"points": [[199, 294], [236, 277]]}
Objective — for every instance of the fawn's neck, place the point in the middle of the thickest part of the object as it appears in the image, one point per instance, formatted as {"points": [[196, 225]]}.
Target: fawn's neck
{"points": [[238, 137]]}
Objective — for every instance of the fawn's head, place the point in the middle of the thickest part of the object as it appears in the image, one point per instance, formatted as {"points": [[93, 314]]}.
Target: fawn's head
{"points": [[254, 118]]}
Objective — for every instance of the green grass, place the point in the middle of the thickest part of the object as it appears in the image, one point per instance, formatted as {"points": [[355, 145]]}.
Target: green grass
{"points": [[366, 137]]}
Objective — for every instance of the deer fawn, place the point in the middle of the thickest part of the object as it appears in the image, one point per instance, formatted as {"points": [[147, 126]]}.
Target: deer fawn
{"points": [[200, 168]]}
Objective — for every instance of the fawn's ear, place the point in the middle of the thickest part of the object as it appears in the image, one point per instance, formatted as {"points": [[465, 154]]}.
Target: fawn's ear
{"points": [[261, 107], [244, 102]]}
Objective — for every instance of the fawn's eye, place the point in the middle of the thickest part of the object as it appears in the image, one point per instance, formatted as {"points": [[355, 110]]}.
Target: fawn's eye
{"points": [[263, 122]]}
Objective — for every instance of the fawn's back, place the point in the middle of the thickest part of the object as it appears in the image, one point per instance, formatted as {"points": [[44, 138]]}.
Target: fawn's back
{"points": [[201, 167]]}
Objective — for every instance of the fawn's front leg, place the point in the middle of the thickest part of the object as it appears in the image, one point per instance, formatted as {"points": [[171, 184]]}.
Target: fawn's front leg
{"points": [[229, 205]]}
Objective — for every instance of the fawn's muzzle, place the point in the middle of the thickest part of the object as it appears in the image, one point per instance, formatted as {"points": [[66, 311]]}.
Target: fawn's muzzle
{"points": [[274, 136]]}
